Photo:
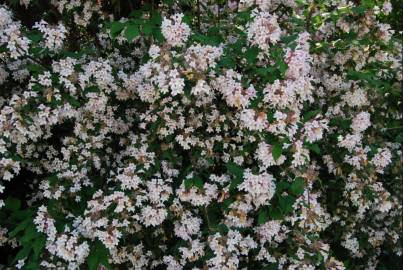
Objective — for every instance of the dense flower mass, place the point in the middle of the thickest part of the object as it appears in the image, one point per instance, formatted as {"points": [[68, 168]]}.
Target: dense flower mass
{"points": [[200, 135]]}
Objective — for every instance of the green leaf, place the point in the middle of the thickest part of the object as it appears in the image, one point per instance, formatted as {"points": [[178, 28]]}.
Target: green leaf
{"points": [[277, 151], [271, 266], [91, 89], [364, 76], [12, 204], [92, 260], [369, 194], [262, 216], [103, 256], [38, 245], [188, 183], [275, 214], [340, 122], [3, 49], [199, 38], [282, 66], [35, 36], [32, 265], [289, 39], [19, 228], [194, 182], [147, 29], [311, 114], [297, 187], [315, 148], [251, 54], [285, 203], [73, 101], [154, 126], [158, 35], [116, 28], [222, 228], [23, 215], [197, 182], [29, 234], [23, 253], [136, 13], [34, 68], [98, 256], [281, 186], [227, 62], [131, 32], [156, 18], [236, 171]]}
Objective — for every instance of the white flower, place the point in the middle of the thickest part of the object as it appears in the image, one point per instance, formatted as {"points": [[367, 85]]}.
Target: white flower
{"points": [[200, 58], [193, 253], [11, 36], [9, 168], [268, 231], [175, 31], [264, 30], [158, 190], [361, 122], [334, 264], [20, 263], [171, 263], [351, 243], [301, 154], [44, 223], [25, 3], [259, 188], [230, 86], [176, 83], [187, 226], [264, 153], [387, 7], [54, 35], [314, 129], [109, 238], [252, 120], [154, 51], [196, 196], [68, 248], [382, 159], [350, 141], [153, 216], [201, 87], [357, 98]]}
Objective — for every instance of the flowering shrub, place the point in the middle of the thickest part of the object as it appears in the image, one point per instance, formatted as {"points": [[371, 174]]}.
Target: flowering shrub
{"points": [[200, 135]]}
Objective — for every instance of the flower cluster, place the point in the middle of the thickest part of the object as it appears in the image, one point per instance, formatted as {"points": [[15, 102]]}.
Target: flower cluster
{"points": [[11, 36], [264, 30], [174, 30], [244, 135]]}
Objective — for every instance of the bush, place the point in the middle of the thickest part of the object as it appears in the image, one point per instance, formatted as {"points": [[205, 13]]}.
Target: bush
{"points": [[200, 134]]}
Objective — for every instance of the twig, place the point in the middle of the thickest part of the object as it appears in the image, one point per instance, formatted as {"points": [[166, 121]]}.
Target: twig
{"points": [[309, 16], [34, 60], [207, 218], [198, 15], [398, 127]]}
